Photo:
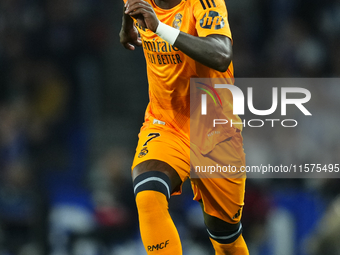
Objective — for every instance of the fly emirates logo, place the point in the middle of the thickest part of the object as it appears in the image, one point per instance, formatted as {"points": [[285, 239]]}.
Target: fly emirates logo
{"points": [[160, 52]]}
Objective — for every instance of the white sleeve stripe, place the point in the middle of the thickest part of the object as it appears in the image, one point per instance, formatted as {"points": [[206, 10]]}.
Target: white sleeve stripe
{"points": [[226, 237], [153, 179]]}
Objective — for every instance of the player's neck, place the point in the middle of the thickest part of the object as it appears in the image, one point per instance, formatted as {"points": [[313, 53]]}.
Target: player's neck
{"points": [[167, 4]]}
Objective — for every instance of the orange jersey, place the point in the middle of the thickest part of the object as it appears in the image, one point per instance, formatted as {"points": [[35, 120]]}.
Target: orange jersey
{"points": [[169, 70]]}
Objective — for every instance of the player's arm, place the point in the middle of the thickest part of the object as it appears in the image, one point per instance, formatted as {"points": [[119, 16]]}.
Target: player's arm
{"points": [[214, 51], [129, 33]]}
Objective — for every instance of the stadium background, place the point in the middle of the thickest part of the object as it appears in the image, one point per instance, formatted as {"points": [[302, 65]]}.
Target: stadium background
{"points": [[72, 101]]}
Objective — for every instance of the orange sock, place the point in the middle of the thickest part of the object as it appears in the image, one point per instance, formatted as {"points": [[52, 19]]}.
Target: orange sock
{"points": [[159, 234], [238, 247]]}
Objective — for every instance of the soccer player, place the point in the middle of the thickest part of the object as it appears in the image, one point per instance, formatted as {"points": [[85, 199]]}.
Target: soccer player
{"points": [[184, 39]]}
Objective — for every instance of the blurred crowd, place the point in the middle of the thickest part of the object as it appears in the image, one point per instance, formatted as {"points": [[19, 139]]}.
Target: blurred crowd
{"points": [[72, 100]]}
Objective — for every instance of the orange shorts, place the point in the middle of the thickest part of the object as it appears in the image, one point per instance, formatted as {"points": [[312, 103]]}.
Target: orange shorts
{"points": [[222, 196]]}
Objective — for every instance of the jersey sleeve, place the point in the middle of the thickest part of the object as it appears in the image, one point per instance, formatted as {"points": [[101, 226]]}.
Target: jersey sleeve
{"points": [[211, 18]]}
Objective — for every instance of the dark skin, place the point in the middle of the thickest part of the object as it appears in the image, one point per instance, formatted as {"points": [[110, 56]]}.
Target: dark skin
{"points": [[214, 51]]}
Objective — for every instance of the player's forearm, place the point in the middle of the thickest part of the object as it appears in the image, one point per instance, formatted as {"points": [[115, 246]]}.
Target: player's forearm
{"points": [[213, 51]]}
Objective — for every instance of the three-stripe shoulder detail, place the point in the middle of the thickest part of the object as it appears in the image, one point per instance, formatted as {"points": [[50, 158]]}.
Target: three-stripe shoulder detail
{"points": [[207, 3]]}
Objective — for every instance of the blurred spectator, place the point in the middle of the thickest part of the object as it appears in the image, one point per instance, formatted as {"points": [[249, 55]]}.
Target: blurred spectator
{"points": [[324, 238], [113, 196]]}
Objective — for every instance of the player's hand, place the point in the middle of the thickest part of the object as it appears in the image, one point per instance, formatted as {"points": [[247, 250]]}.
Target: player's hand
{"points": [[143, 12], [130, 38]]}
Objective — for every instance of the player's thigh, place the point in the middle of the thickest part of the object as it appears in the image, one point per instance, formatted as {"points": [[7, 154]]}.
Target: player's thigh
{"points": [[216, 224], [157, 165], [162, 149], [222, 201], [222, 197]]}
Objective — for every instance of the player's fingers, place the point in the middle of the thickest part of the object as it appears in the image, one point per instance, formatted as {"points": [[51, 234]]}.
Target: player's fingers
{"points": [[128, 46], [136, 11], [138, 42], [134, 6], [140, 10]]}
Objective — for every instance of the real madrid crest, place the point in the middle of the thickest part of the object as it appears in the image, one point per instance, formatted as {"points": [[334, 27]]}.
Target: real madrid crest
{"points": [[177, 21], [143, 152]]}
